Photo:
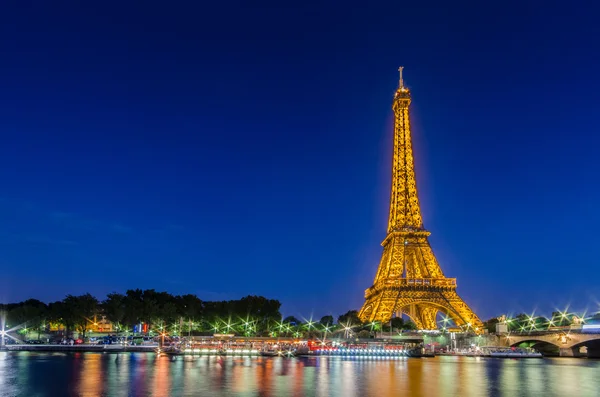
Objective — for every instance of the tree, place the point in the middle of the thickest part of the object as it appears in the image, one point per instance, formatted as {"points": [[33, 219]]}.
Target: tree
{"points": [[249, 315], [57, 314], [291, 320], [258, 307], [490, 324], [114, 308], [30, 315], [190, 307], [165, 308], [78, 311], [350, 318], [540, 323], [363, 334], [520, 322], [262, 312], [397, 323], [326, 320], [141, 306], [560, 319], [409, 326]]}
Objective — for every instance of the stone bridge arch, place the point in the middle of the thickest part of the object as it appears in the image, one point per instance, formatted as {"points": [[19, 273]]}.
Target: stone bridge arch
{"points": [[567, 344], [547, 348]]}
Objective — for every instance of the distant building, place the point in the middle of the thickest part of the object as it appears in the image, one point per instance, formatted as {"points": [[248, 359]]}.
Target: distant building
{"points": [[102, 325]]}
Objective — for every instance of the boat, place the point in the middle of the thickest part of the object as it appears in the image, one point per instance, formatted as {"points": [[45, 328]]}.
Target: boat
{"points": [[276, 351], [514, 353], [270, 353], [169, 351], [195, 351], [420, 352], [374, 349]]}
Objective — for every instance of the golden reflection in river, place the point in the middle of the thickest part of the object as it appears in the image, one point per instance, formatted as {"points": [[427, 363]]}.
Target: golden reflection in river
{"points": [[90, 380], [322, 371], [161, 377], [264, 376], [534, 376], [442, 376], [189, 375], [447, 377], [347, 384], [292, 377], [242, 380], [550, 376], [573, 381], [217, 372], [298, 377], [279, 377], [475, 375], [391, 377]]}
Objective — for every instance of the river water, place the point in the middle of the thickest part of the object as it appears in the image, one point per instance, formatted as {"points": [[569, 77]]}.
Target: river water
{"points": [[30, 374]]}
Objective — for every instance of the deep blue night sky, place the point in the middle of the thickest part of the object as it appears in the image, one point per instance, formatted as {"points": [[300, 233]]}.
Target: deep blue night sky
{"points": [[233, 149]]}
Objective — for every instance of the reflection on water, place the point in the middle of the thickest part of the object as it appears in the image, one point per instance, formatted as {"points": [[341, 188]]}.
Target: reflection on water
{"points": [[143, 374]]}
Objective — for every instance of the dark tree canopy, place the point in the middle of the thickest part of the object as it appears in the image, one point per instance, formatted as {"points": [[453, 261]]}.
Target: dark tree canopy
{"points": [[350, 318], [292, 320], [254, 315]]}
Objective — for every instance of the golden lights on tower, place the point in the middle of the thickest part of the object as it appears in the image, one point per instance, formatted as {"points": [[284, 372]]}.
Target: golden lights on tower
{"points": [[409, 279]]}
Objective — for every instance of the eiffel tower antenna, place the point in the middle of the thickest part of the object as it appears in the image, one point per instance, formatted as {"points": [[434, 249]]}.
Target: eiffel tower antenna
{"points": [[409, 279], [401, 80]]}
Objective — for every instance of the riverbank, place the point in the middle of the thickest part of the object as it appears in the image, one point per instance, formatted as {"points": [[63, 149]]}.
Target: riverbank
{"points": [[81, 348]]}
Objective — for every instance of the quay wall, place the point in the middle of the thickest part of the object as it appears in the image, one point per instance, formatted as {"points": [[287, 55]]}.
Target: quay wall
{"points": [[81, 348]]}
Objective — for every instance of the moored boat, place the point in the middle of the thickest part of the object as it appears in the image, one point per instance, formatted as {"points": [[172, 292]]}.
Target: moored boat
{"points": [[277, 353], [514, 353]]}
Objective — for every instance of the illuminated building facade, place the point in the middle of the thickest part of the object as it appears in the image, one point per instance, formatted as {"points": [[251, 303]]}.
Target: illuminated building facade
{"points": [[409, 279]]}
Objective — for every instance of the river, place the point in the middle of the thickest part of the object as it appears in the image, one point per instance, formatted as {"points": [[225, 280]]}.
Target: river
{"points": [[34, 374]]}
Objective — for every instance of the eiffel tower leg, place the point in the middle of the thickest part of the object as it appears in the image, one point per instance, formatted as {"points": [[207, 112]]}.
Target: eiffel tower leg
{"points": [[379, 307], [423, 316], [460, 312], [412, 311]]}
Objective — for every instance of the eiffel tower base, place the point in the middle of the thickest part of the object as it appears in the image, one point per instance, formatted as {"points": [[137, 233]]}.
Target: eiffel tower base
{"points": [[421, 302]]}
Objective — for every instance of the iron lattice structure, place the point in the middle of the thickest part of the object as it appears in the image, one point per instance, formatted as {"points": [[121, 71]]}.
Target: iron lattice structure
{"points": [[409, 279]]}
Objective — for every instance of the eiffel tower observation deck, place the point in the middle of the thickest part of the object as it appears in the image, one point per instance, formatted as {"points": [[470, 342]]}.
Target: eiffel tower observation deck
{"points": [[409, 279]]}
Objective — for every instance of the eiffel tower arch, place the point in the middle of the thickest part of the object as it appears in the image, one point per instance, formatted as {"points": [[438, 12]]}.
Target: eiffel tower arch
{"points": [[409, 279]]}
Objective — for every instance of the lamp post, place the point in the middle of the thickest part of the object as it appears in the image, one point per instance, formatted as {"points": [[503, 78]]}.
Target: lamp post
{"points": [[2, 331]]}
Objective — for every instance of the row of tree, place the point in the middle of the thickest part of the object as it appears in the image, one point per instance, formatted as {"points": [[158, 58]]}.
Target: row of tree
{"points": [[179, 314]]}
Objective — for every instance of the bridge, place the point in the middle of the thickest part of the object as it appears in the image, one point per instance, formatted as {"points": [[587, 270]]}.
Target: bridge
{"points": [[560, 341], [569, 343]]}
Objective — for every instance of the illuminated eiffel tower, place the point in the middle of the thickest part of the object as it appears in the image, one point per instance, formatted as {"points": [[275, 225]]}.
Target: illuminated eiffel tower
{"points": [[409, 279]]}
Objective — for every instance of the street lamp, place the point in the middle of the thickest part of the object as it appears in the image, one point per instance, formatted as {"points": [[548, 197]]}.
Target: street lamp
{"points": [[347, 329], [2, 331]]}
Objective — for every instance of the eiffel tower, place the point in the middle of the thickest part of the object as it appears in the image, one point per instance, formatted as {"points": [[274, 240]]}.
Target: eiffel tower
{"points": [[409, 279]]}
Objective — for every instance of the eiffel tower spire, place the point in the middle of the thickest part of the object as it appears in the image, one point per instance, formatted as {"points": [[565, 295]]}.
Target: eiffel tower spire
{"points": [[409, 279], [405, 212]]}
